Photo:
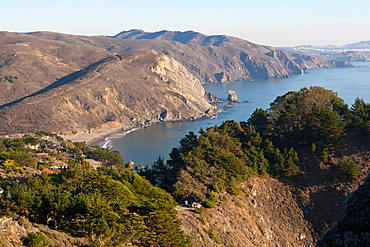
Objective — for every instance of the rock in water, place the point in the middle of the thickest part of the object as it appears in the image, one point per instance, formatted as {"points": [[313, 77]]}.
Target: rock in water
{"points": [[130, 165], [232, 97]]}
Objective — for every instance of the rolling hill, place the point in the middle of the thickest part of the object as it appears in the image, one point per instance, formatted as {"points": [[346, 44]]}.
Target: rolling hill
{"points": [[212, 59], [72, 84]]}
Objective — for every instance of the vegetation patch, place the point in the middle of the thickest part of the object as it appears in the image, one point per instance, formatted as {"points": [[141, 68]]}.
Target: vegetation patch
{"points": [[37, 239], [110, 205], [351, 169], [212, 233], [221, 157]]}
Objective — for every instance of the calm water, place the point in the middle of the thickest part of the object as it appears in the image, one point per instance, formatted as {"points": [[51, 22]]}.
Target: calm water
{"points": [[144, 146]]}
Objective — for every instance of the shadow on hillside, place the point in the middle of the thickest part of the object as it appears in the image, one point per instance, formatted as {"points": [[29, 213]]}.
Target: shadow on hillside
{"points": [[62, 81]]}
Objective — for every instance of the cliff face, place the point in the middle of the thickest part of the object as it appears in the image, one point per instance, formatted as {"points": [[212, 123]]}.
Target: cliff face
{"points": [[131, 89], [212, 59], [353, 229], [264, 214]]}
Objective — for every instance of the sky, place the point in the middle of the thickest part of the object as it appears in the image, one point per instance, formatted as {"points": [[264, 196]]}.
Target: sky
{"points": [[268, 22]]}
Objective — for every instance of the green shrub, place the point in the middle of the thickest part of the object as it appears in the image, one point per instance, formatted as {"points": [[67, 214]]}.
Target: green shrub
{"points": [[212, 233], [203, 221], [209, 203], [233, 190], [9, 78], [313, 148], [350, 168], [37, 239], [334, 179], [324, 154], [198, 210], [212, 195]]}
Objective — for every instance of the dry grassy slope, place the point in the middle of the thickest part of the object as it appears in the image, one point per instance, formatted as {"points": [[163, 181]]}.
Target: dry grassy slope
{"points": [[265, 214], [37, 63], [233, 59], [131, 89]]}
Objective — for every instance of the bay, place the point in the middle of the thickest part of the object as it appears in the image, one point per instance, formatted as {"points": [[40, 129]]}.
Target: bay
{"points": [[145, 145]]}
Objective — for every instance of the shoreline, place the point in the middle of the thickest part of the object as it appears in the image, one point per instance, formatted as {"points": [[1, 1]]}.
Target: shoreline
{"points": [[94, 137], [102, 135], [99, 136]]}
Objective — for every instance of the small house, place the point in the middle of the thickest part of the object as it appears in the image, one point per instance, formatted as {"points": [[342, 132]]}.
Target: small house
{"points": [[42, 155], [94, 163]]}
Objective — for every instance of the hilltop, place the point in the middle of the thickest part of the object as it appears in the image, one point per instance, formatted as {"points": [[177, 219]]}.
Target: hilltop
{"points": [[215, 58], [77, 84], [131, 89]]}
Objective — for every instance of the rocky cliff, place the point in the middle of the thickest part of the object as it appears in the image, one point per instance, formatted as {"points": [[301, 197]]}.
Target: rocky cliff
{"points": [[354, 228], [131, 89]]}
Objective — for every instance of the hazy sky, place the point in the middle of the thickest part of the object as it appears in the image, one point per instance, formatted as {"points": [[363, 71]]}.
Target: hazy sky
{"points": [[268, 22]]}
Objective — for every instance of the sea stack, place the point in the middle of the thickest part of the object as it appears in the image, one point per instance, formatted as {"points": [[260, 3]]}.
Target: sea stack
{"points": [[232, 97]]}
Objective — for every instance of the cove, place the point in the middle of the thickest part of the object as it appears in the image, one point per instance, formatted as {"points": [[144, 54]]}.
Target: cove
{"points": [[145, 145]]}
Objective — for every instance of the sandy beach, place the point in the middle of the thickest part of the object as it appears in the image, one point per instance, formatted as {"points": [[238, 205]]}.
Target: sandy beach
{"points": [[93, 137]]}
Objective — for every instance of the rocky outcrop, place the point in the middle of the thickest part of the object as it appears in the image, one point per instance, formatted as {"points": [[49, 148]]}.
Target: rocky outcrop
{"points": [[354, 228], [127, 90], [13, 230], [353, 56], [232, 97]]}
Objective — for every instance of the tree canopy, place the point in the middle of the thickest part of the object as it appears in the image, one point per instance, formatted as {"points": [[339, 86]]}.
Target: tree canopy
{"points": [[266, 144]]}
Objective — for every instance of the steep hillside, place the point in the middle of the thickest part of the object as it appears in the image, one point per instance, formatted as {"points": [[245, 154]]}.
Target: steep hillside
{"points": [[293, 211], [264, 214], [353, 229], [210, 58], [28, 64], [310, 140], [125, 90]]}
